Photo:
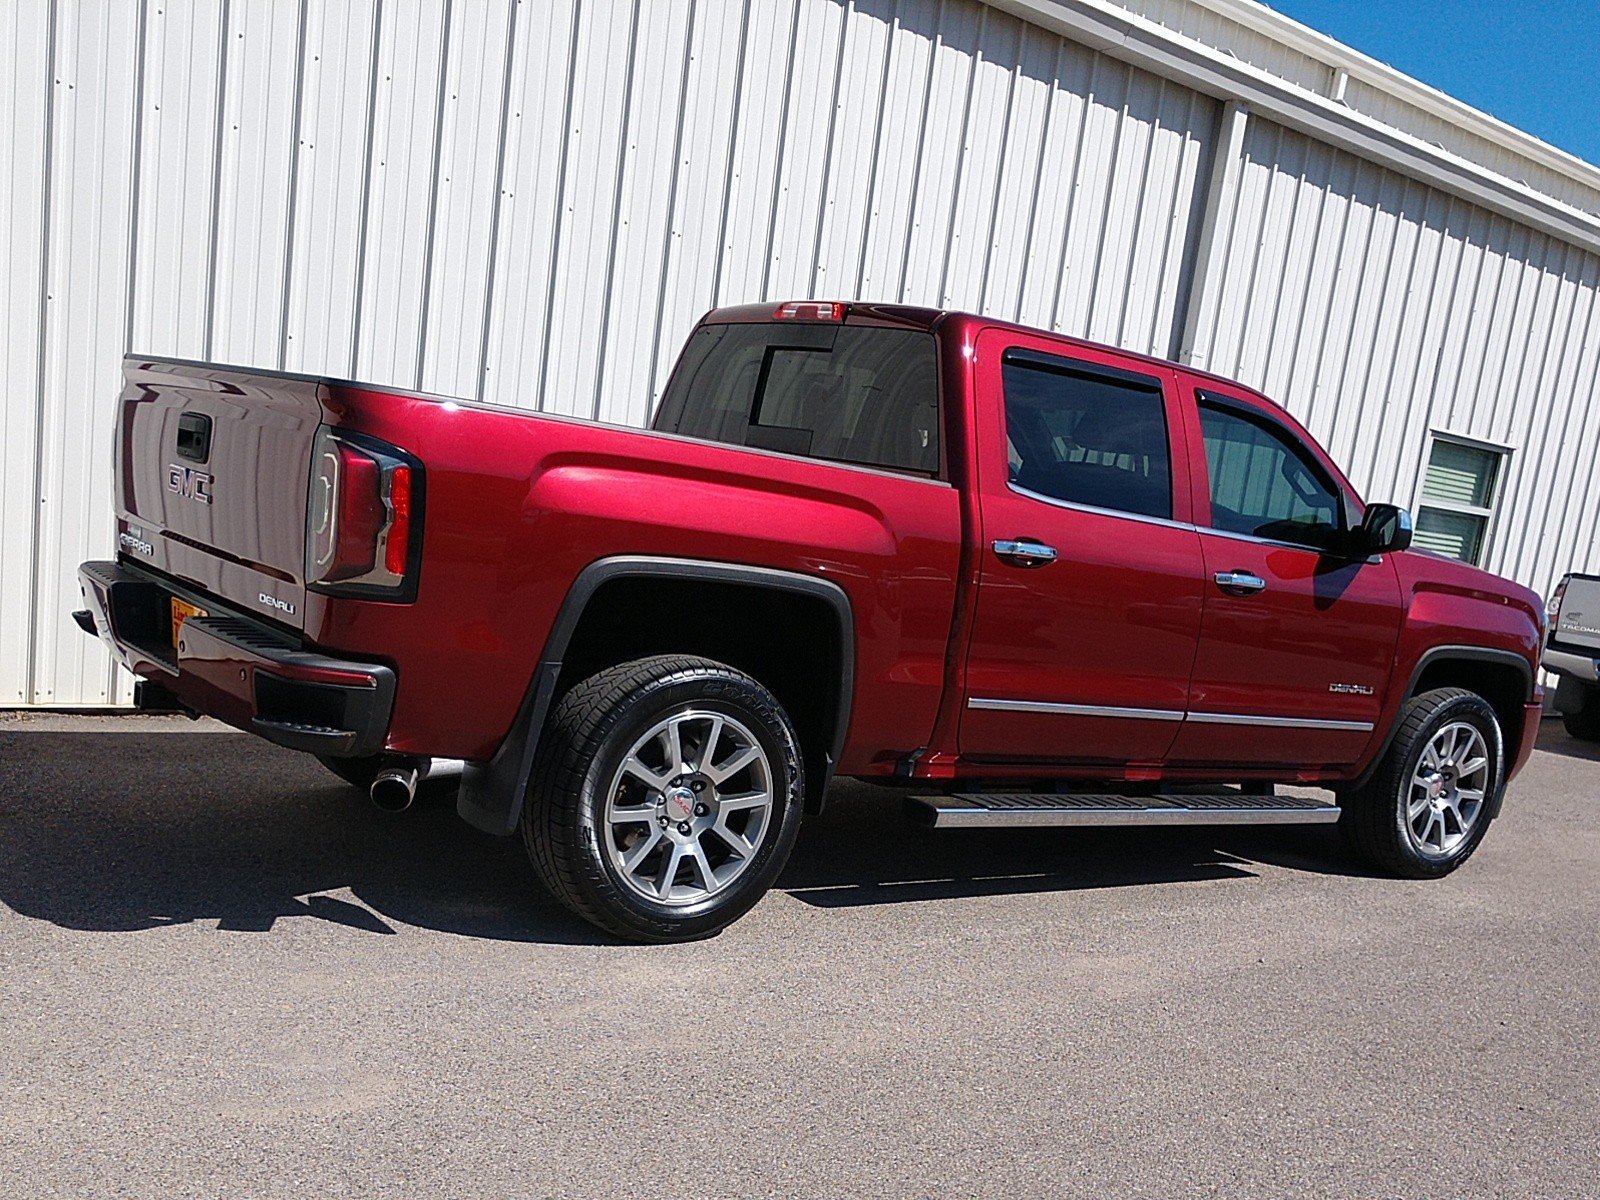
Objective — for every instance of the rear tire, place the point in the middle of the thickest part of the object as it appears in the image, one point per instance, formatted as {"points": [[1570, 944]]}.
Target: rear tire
{"points": [[665, 798], [1426, 807], [1584, 723]]}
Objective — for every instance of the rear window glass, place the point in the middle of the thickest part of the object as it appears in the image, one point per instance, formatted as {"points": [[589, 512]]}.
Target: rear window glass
{"points": [[848, 394]]}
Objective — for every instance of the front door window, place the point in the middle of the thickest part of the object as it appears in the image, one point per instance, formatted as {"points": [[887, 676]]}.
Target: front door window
{"points": [[1263, 485]]}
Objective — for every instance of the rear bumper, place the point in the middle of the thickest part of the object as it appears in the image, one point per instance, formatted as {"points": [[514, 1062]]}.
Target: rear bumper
{"points": [[1580, 666], [240, 671]]}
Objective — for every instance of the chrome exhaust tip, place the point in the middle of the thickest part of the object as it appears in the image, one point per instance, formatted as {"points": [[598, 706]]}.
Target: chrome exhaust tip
{"points": [[395, 787]]}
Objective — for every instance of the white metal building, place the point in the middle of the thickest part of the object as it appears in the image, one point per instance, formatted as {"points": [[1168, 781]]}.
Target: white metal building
{"points": [[531, 201]]}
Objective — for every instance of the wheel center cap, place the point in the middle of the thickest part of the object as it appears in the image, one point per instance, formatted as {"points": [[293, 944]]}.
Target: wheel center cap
{"points": [[680, 803], [1435, 787]]}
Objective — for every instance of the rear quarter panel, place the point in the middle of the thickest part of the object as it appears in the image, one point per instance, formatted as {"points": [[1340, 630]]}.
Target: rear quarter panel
{"points": [[518, 504]]}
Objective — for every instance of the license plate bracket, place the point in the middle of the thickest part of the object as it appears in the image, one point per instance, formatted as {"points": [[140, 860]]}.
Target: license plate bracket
{"points": [[182, 610]]}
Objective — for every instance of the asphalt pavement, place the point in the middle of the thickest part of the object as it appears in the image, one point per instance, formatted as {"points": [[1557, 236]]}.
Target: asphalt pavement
{"points": [[223, 973]]}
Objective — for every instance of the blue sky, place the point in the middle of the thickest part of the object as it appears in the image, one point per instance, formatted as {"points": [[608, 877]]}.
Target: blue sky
{"points": [[1533, 63]]}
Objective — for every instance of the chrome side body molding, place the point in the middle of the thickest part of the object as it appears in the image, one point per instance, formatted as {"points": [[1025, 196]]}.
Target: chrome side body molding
{"points": [[1076, 710]]}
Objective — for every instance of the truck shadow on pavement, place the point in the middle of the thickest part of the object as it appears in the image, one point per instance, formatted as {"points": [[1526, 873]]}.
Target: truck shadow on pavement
{"points": [[1556, 740], [119, 832], [129, 831]]}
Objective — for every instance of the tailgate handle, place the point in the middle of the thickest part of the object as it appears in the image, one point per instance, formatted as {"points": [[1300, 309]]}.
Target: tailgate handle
{"points": [[194, 436]]}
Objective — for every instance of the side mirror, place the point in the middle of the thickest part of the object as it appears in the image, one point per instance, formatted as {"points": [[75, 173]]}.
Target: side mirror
{"points": [[1385, 529]]}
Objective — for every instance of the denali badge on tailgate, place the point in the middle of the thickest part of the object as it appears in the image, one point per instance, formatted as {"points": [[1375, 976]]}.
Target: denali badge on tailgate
{"points": [[186, 481], [274, 602]]}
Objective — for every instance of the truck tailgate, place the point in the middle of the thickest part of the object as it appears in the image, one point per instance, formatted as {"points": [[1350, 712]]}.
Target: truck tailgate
{"points": [[213, 469], [1577, 625]]}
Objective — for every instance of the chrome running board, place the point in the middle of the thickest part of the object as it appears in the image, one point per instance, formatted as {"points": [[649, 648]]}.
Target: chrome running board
{"points": [[992, 810]]}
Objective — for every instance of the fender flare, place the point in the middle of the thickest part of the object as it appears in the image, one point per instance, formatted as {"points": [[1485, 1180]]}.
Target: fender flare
{"points": [[1429, 657], [492, 792]]}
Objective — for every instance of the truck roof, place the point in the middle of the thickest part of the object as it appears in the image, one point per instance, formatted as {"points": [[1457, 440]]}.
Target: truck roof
{"points": [[909, 316]]}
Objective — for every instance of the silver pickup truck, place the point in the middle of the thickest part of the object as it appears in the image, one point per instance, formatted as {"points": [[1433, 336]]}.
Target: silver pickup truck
{"points": [[1573, 652]]}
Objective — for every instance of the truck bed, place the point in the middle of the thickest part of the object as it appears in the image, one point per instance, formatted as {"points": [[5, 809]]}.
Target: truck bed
{"points": [[518, 504]]}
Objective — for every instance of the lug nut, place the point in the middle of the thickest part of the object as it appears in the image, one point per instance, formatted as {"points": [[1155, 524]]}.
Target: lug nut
{"points": [[683, 827], [700, 810], [698, 785], [663, 821]]}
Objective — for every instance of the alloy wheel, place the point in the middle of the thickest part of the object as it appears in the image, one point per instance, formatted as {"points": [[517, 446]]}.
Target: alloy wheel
{"points": [[688, 808], [1445, 799]]}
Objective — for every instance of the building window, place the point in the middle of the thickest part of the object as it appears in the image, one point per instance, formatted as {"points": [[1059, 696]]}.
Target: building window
{"points": [[1459, 489]]}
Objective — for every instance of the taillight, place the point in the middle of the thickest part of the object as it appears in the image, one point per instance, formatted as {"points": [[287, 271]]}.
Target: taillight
{"points": [[358, 520], [1552, 608], [810, 310], [397, 548]]}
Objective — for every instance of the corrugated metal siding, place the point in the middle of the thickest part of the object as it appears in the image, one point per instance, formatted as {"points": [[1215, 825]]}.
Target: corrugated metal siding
{"points": [[1378, 310], [327, 185], [83, 170], [25, 61], [1209, 22], [1441, 131], [531, 201]]}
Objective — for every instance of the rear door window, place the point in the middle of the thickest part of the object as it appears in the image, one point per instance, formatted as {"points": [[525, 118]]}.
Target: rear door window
{"points": [[1086, 434], [850, 394]]}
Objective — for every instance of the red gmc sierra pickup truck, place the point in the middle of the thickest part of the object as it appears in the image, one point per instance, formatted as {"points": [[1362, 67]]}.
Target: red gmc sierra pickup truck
{"points": [[1034, 580]]}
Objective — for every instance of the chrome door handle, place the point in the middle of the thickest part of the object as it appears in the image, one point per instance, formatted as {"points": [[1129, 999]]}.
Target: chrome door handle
{"points": [[1240, 583], [1025, 552]]}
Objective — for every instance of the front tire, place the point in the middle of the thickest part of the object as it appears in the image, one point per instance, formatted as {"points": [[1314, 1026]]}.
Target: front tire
{"points": [[1426, 807], [665, 798]]}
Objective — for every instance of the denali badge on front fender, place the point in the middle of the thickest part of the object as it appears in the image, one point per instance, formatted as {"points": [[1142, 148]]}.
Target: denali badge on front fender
{"points": [[186, 481], [274, 602], [1350, 689]]}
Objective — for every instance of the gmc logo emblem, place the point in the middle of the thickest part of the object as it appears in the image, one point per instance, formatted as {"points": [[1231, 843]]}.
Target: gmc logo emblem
{"points": [[186, 481]]}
